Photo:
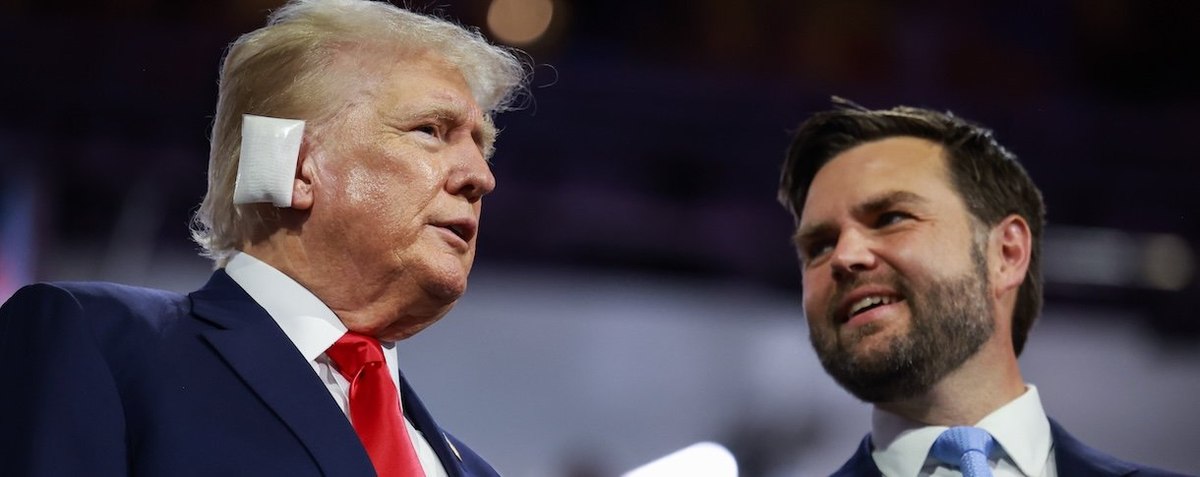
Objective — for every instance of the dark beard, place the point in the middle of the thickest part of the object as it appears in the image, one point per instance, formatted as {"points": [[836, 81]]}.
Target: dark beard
{"points": [[950, 321]]}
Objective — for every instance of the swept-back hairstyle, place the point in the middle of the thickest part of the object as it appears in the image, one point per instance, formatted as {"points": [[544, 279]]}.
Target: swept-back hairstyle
{"points": [[986, 175], [281, 70]]}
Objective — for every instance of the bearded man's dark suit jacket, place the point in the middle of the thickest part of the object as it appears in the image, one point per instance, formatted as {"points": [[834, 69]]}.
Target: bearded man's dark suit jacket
{"points": [[111, 380], [1071, 457]]}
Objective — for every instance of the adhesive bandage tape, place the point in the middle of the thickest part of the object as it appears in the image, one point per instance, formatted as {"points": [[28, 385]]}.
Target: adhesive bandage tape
{"points": [[267, 165]]}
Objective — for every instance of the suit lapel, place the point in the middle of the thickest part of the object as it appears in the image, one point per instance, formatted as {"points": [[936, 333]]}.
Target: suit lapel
{"points": [[861, 464], [421, 419], [1073, 457], [252, 344]]}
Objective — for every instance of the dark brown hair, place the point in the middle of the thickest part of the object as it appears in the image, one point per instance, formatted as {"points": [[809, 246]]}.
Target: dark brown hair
{"points": [[985, 174]]}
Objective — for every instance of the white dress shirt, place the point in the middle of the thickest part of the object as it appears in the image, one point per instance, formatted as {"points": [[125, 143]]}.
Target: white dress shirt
{"points": [[1021, 430], [313, 328]]}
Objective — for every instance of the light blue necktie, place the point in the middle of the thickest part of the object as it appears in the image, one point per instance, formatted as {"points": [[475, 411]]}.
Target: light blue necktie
{"points": [[966, 448]]}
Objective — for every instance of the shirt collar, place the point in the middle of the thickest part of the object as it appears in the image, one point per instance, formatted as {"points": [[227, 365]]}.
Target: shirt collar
{"points": [[1023, 430], [307, 321], [1020, 427]]}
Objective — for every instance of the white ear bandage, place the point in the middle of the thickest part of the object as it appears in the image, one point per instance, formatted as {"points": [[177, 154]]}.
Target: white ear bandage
{"points": [[267, 166]]}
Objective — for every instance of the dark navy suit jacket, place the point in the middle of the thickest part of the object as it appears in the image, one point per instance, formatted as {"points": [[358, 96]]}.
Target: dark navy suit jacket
{"points": [[1071, 457], [110, 380]]}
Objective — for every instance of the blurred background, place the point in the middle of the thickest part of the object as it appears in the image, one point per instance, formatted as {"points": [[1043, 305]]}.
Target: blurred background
{"points": [[635, 290]]}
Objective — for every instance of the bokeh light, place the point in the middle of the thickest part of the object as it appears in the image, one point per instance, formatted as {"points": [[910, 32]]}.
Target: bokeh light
{"points": [[520, 22]]}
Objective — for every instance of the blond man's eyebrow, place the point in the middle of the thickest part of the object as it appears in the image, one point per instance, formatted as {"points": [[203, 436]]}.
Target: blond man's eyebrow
{"points": [[438, 112], [485, 136]]}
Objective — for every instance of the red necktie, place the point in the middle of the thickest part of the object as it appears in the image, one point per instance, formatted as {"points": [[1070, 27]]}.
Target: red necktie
{"points": [[375, 406]]}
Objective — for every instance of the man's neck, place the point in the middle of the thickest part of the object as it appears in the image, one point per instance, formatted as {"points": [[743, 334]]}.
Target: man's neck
{"points": [[387, 308], [985, 382]]}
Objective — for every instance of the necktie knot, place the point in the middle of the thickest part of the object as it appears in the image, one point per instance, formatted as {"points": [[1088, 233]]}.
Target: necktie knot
{"points": [[966, 448], [354, 352]]}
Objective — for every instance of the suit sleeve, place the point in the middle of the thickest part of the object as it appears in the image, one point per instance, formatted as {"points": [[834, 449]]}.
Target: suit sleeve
{"points": [[60, 410]]}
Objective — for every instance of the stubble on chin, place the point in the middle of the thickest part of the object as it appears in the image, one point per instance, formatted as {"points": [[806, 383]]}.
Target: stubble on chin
{"points": [[948, 323]]}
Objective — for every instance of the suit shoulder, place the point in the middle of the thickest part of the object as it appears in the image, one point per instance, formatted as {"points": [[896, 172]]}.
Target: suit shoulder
{"points": [[115, 292], [1153, 472], [1073, 457], [101, 305]]}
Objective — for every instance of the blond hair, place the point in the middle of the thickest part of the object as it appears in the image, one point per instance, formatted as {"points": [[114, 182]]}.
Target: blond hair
{"points": [[279, 70]]}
